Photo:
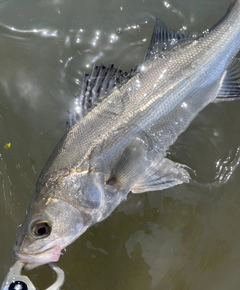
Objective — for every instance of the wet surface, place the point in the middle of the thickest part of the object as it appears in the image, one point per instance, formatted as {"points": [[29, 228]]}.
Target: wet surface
{"points": [[184, 238]]}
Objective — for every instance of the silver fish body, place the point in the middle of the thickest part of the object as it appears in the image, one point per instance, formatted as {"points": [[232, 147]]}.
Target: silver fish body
{"points": [[120, 146]]}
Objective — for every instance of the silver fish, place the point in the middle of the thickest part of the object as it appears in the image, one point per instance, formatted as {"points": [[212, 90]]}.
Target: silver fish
{"points": [[120, 143]]}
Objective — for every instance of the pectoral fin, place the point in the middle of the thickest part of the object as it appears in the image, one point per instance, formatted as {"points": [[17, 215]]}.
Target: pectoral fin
{"points": [[167, 175], [130, 163]]}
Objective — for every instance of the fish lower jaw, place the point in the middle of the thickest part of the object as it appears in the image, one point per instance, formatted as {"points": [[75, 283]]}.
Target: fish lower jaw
{"points": [[34, 260]]}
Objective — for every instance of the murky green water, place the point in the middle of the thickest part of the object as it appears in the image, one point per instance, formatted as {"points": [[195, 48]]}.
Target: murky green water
{"points": [[184, 238]]}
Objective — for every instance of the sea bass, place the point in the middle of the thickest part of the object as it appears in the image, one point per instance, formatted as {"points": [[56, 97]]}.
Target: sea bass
{"points": [[128, 123]]}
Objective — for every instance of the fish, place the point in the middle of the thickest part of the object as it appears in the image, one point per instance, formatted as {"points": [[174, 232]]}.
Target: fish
{"points": [[118, 137]]}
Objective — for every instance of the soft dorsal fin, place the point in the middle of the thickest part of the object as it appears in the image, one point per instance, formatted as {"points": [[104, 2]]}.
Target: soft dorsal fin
{"points": [[230, 84], [95, 88], [230, 7], [164, 39], [103, 80]]}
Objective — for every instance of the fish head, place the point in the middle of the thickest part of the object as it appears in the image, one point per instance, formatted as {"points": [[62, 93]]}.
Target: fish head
{"points": [[64, 207], [49, 226]]}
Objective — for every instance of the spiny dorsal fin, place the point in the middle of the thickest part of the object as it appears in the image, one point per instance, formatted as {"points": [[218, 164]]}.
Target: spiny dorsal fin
{"points": [[103, 80], [95, 88]]}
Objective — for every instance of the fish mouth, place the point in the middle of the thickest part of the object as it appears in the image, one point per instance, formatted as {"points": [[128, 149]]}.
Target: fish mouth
{"points": [[39, 258]]}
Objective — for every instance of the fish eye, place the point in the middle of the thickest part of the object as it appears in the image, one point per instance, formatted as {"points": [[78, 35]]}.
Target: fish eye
{"points": [[41, 229]]}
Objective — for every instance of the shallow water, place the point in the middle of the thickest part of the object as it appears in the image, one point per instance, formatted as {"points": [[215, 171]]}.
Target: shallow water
{"points": [[184, 238]]}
